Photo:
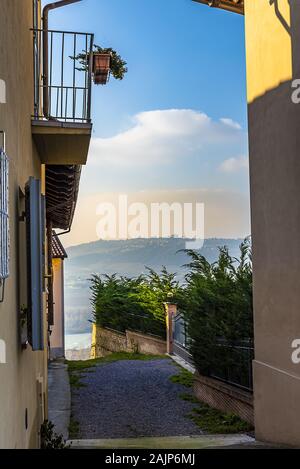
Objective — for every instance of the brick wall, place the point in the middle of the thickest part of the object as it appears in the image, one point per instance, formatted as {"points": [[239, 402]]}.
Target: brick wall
{"points": [[106, 341], [224, 397]]}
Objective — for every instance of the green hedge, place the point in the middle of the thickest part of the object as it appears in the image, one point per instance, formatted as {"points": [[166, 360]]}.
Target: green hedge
{"points": [[216, 301], [122, 303], [217, 306]]}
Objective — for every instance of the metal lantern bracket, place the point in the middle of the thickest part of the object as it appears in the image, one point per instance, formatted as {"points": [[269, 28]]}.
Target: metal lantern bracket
{"points": [[2, 291]]}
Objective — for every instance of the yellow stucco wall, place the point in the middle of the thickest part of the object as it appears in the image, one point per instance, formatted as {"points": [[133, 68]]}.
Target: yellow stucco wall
{"points": [[269, 61], [23, 379]]}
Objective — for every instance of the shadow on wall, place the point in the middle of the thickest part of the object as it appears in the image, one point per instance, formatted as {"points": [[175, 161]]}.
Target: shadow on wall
{"points": [[274, 141], [293, 30]]}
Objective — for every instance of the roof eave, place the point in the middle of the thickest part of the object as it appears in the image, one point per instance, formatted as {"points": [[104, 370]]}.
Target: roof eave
{"points": [[229, 5], [62, 186]]}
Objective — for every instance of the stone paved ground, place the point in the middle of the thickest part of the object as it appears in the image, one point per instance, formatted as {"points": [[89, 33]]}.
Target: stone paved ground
{"points": [[59, 398], [130, 399]]}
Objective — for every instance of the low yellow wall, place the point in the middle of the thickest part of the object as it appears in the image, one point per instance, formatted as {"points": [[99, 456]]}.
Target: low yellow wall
{"points": [[106, 341], [142, 343]]}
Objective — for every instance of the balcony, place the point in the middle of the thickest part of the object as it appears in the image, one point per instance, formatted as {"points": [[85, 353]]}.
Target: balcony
{"points": [[61, 124]]}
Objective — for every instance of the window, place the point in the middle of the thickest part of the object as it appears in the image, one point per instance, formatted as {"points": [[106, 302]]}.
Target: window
{"points": [[4, 217]]}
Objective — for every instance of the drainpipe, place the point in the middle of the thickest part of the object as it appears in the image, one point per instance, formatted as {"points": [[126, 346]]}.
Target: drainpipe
{"points": [[46, 10], [50, 274]]}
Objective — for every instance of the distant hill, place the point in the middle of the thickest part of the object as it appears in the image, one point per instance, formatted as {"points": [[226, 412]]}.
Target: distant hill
{"points": [[128, 258]]}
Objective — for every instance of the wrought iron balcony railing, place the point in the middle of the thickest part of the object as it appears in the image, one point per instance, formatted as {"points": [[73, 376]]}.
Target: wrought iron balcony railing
{"points": [[62, 86]]}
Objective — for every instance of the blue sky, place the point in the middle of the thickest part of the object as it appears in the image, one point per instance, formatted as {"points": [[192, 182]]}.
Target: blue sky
{"points": [[160, 128], [180, 54]]}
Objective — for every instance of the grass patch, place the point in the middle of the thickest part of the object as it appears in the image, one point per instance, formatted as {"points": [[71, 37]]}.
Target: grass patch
{"points": [[214, 421], [73, 428], [185, 377], [75, 380], [188, 397], [113, 357]]}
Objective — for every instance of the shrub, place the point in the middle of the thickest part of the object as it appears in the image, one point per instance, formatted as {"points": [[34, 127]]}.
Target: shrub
{"points": [[50, 439], [217, 305], [122, 303]]}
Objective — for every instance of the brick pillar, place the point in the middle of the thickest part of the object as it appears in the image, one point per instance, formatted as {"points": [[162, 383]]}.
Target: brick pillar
{"points": [[94, 342], [171, 310]]}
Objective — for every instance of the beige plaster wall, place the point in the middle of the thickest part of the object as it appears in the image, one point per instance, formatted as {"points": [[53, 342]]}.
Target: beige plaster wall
{"points": [[273, 61], [57, 338], [23, 379]]}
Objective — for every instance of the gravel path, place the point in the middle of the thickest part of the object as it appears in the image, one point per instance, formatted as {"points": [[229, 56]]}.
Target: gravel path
{"points": [[132, 399]]}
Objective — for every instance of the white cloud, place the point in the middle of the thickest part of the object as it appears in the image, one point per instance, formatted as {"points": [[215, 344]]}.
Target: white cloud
{"points": [[234, 165], [163, 136], [231, 123]]}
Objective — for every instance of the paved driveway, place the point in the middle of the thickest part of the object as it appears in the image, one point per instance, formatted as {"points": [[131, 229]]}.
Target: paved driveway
{"points": [[130, 399]]}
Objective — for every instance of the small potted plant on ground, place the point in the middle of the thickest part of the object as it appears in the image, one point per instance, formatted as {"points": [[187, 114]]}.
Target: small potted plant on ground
{"points": [[106, 61]]}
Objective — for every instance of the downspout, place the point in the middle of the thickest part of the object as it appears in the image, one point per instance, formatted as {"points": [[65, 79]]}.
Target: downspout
{"points": [[50, 274], [46, 10]]}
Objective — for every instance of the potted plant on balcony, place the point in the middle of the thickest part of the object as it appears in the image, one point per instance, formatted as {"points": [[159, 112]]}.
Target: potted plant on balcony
{"points": [[106, 61]]}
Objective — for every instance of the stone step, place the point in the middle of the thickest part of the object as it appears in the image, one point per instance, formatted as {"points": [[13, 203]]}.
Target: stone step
{"points": [[175, 442]]}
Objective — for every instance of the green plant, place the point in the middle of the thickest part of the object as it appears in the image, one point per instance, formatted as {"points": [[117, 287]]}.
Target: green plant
{"points": [[118, 66], [122, 303], [217, 305], [75, 381], [188, 398], [214, 421], [74, 428], [185, 378], [50, 439]]}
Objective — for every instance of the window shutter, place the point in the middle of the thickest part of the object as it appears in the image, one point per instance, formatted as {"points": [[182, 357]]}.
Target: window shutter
{"points": [[4, 217], [34, 240]]}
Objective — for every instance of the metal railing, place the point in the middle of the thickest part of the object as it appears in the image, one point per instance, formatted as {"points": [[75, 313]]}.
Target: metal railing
{"points": [[180, 331], [229, 362], [233, 363], [181, 346], [62, 85]]}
